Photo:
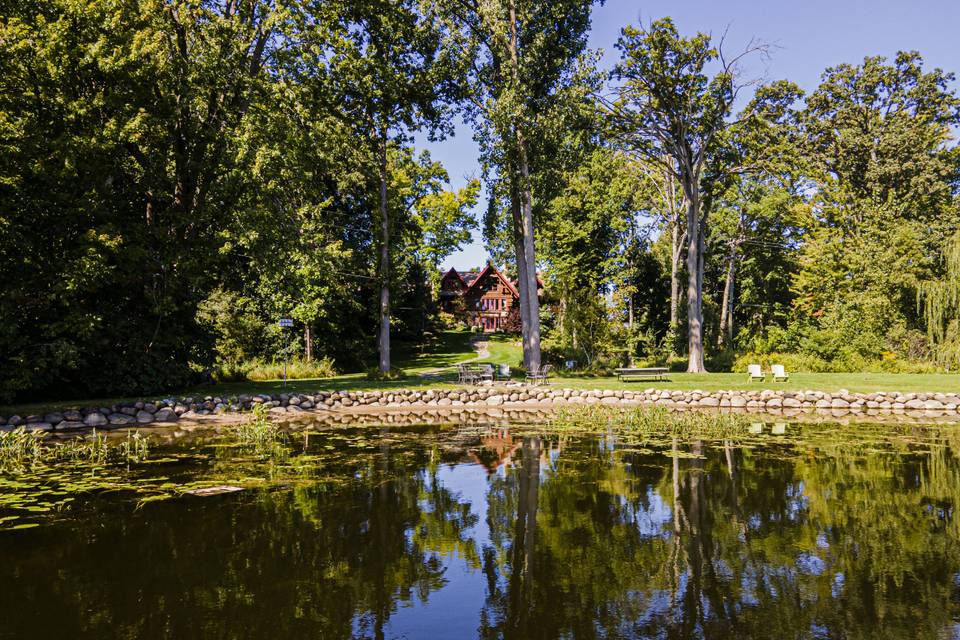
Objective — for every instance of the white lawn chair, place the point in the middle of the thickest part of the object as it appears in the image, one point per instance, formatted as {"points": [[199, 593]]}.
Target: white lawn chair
{"points": [[754, 372], [779, 373]]}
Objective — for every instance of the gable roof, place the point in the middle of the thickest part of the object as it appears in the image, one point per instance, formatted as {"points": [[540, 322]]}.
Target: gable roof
{"points": [[456, 273], [496, 271]]}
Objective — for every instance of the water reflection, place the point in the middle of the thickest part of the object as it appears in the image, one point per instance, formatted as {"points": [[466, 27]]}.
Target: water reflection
{"points": [[500, 533]]}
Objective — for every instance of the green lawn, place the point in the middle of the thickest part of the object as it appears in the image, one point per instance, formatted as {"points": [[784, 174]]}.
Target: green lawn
{"points": [[454, 347], [449, 348]]}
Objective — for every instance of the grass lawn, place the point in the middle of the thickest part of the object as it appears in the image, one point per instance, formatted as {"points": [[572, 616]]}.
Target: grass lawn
{"points": [[449, 348], [453, 347]]}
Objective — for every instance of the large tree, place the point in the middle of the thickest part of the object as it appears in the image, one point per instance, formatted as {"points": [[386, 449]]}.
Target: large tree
{"points": [[385, 70], [672, 110], [120, 123], [523, 53]]}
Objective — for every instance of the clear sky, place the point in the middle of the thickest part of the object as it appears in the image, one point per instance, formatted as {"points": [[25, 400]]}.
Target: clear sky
{"points": [[807, 37]]}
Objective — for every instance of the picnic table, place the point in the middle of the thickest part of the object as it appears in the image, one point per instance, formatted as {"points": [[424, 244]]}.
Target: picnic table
{"points": [[626, 374]]}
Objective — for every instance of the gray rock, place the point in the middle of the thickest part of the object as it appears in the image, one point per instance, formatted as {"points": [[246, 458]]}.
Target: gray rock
{"points": [[708, 401], [738, 401], [914, 403], [14, 420], [70, 425], [120, 419], [838, 403], [144, 417], [72, 415], [495, 400], [53, 417], [166, 415], [38, 426], [95, 420]]}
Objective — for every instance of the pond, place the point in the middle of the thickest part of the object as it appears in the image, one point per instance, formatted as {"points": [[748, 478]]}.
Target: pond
{"points": [[492, 531]]}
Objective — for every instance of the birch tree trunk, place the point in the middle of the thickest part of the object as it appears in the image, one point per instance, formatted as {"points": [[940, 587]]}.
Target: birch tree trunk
{"points": [[308, 341], [515, 207], [384, 338], [532, 302], [694, 281], [725, 336], [676, 250], [529, 255]]}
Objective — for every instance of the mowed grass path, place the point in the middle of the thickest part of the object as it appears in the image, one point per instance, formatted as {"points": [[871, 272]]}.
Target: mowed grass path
{"points": [[454, 347]]}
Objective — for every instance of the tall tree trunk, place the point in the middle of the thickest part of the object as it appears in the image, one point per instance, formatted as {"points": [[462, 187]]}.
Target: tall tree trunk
{"points": [[725, 335], [529, 254], [384, 339], [532, 302], [694, 283], [521, 274], [676, 250], [308, 341]]}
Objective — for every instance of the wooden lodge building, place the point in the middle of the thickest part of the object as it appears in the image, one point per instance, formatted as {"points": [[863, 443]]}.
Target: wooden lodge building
{"points": [[481, 299]]}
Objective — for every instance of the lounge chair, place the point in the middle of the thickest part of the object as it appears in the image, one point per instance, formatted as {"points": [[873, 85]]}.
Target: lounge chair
{"points": [[754, 372], [779, 373]]}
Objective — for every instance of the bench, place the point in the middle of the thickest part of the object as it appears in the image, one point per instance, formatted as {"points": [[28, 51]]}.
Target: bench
{"points": [[626, 374]]}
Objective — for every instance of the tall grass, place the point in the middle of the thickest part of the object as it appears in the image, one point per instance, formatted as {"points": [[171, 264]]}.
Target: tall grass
{"points": [[262, 437], [649, 420], [21, 450], [298, 369]]}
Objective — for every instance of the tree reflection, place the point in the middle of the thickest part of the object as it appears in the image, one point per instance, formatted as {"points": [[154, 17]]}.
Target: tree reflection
{"points": [[826, 533]]}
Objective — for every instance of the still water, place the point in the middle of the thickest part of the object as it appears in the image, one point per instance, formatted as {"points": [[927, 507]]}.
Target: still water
{"points": [[466, 531]]}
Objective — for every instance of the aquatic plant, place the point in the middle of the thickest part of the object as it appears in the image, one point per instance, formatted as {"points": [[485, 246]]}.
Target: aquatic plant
{"points": [[19, 449], [649, 420], [259, 430]]}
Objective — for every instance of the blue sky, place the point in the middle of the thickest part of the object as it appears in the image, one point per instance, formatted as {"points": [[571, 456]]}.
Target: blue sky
{"points": [[807, 37]]}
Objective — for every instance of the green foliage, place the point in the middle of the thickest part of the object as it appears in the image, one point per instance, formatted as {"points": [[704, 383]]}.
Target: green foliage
{"points": [[296, 369], [395, 373]]}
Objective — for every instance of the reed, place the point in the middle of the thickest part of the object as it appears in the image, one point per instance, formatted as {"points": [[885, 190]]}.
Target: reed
{"points": [[649, 420]]}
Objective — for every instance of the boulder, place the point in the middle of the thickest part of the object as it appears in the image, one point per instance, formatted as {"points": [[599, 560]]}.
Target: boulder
{"points": [[166, 415], [144, 417], [120, 419], [95, 420]]}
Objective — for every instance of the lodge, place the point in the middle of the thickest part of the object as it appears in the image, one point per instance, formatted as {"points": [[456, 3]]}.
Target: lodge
{"points": [[486, 299]]}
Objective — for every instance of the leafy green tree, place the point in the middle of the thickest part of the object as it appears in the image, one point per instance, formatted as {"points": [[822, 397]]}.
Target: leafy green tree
{"points": [[671, 111], [383, 70], [884, 207], [120, 124], [522, 55]]}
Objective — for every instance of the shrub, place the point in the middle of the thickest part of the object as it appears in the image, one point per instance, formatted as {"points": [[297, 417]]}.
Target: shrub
{"points": [[297, 369], [850, 363], [395, 373]]}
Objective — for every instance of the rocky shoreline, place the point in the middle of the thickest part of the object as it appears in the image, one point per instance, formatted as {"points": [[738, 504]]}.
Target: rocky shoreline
{"points": [[287, 405]]}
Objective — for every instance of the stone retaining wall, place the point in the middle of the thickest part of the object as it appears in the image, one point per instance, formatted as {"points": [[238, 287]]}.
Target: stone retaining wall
{"points": [[171, 410]]}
